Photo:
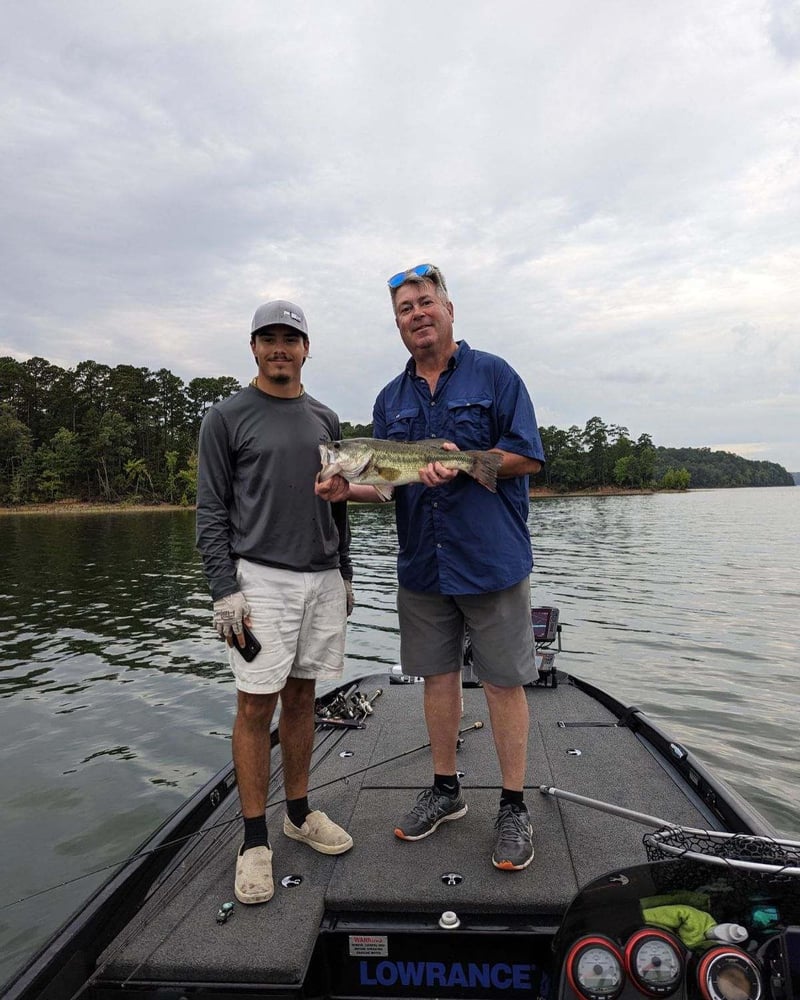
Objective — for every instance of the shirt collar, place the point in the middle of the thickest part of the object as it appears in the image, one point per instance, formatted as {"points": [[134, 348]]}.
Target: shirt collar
{"points": [[455, 359]]}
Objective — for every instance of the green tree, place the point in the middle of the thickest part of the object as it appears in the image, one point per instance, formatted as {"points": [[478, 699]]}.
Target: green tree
{"points": [[202, 393], [675, 479], [137, 473], [565, 466], [188, 477], [109, 447], [59, 464], [15, 449], [595, 439], [171, 458]]}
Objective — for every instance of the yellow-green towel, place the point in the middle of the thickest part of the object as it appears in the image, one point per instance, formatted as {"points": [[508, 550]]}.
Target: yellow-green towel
{"points": [[688, 923]]}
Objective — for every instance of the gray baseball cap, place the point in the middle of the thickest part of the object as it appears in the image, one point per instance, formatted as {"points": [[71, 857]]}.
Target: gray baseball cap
{"points": [[279, 313]]}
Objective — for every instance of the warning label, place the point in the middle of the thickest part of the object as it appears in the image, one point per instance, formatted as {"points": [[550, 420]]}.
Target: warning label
{"points": [[369, 945]]}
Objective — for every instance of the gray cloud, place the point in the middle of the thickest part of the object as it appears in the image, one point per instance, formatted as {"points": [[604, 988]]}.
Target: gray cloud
{"points": [[612, 190]]}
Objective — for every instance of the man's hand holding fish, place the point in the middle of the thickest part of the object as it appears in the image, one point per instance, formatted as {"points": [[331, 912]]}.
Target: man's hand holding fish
{"points": [[373, 468]]}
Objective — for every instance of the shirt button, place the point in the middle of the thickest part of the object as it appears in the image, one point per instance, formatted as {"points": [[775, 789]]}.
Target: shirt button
{"points": [[438, 545], [436, 505]]}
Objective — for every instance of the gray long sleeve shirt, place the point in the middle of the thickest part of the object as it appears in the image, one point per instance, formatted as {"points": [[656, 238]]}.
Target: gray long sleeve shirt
{"points": [[258, 457]]}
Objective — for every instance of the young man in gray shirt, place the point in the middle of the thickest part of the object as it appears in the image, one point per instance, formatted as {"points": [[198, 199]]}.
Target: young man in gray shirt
{"points": [[277, 559]]}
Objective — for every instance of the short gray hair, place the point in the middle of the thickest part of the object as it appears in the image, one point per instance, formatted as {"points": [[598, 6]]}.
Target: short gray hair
{"points": [[434, 276]]}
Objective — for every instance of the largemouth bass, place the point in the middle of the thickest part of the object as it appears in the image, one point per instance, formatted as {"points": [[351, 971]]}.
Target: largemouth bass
{"points": [[384, 464]]}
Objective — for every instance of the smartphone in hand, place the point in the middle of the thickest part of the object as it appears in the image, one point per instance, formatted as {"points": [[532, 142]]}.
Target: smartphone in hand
{"points": [[251, 648]]}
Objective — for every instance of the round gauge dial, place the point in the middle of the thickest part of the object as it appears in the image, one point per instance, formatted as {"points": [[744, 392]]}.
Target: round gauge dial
{"points": [[729, 974], [654, 960], [595, 968]]}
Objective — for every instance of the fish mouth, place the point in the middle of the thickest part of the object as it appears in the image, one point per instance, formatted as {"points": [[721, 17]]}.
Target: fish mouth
{"points": [[330, 466]]}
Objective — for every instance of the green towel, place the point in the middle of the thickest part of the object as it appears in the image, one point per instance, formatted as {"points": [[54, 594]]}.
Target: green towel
{"points": [[699, 900], [688, 923]]}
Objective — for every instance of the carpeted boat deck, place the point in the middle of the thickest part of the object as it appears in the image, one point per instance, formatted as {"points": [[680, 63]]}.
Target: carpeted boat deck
{"points": [[366, 779]]}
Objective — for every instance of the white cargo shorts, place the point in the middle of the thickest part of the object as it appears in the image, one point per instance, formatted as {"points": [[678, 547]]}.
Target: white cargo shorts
{"points": [[300, 620]]}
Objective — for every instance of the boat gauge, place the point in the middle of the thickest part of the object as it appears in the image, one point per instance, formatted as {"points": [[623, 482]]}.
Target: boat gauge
{"points": [[595, 968], [726, 973], [654, 961]]}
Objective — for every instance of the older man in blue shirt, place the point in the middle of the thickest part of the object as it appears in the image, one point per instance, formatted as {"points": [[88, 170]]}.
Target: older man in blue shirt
{"points": [[465, 552]]}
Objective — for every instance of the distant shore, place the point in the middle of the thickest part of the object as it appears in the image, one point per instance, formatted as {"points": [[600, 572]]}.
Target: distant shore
{"points": [[92, 507], [89, 507], [544, 493]]}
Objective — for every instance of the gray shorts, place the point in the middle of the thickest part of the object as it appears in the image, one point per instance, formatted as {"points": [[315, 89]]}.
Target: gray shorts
{"points": [[432, 634]]}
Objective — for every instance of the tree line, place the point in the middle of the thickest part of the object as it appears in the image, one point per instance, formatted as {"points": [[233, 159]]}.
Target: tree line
{"points": [[99, 433], [126, 433]]}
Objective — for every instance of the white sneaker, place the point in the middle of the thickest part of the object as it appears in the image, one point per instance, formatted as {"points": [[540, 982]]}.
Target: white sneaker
{"points": [[254, 875], [320, 833]]}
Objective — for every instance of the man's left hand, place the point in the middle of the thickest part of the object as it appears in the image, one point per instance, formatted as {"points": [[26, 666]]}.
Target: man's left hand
{"points": [[351, 601], [334, 489], [435, 474]]}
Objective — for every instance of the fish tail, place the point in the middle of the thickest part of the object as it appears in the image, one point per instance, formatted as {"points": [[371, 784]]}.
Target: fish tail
{"points": [[485, 465]]}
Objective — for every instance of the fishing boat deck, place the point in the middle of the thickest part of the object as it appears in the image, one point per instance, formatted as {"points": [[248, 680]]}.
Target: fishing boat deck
{"points": [[367, 778]]}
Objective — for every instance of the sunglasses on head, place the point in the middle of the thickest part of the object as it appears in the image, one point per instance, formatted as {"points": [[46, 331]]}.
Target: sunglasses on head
{"points": [[421, 271]]}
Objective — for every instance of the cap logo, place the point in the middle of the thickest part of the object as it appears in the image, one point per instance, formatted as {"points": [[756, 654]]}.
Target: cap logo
{"points": [[292, 315]]}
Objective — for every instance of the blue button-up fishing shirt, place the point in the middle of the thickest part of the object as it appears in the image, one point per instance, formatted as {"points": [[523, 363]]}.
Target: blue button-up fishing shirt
{"points": [[461, 538]]}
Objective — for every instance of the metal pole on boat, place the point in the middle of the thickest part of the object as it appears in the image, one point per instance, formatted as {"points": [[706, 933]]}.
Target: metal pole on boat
{"points": [[583, 800]]}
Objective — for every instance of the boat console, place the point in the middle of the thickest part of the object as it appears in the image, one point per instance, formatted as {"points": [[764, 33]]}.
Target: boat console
{"points": [[606, 950]]}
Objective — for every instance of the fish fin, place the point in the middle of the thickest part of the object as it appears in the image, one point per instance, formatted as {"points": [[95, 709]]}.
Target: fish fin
{"points": [[484, 469], [387, 492]]}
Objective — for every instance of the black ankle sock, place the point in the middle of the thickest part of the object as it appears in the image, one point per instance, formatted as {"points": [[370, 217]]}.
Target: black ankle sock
{"points": [[507, 797], [297, 810], [255, 832], [447, 783]]}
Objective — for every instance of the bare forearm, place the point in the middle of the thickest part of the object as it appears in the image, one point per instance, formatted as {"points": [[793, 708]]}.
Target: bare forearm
{"points": [[516, 465], [364, 494]]}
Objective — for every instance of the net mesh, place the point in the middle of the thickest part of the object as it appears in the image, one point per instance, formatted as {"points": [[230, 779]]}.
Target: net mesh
{"points": [[738, 852]]}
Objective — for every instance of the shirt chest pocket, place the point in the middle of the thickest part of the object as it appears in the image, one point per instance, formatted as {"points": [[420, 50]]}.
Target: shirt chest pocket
{"points": [[471, 419], [401, 425]]}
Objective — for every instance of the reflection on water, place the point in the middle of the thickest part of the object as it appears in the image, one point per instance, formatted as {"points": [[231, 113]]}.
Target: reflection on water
{"points": [[116, 701]]}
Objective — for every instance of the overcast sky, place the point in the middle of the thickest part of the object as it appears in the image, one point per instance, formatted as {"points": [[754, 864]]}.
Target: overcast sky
{"points": [[611, 187]]}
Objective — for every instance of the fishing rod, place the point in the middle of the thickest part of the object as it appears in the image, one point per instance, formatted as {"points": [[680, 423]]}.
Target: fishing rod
{"points": [[215, 826]]}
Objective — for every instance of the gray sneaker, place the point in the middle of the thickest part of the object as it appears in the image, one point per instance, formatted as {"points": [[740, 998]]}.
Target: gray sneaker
{"points": [[432, 808], [514, 847]]}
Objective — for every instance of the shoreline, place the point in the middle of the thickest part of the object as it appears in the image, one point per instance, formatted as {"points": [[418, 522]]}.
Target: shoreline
{"points": [[98, 507], [91, 507], [547, 493]]}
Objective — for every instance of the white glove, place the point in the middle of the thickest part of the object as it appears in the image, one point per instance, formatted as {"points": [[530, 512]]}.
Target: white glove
{"points": [[351, 601], [228, 614]]}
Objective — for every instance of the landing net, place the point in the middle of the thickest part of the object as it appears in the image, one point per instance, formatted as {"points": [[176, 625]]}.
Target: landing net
{"points": [[738, 851]]}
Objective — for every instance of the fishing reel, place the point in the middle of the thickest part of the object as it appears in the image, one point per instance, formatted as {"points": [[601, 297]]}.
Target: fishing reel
{"points": [[348, 709]]}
